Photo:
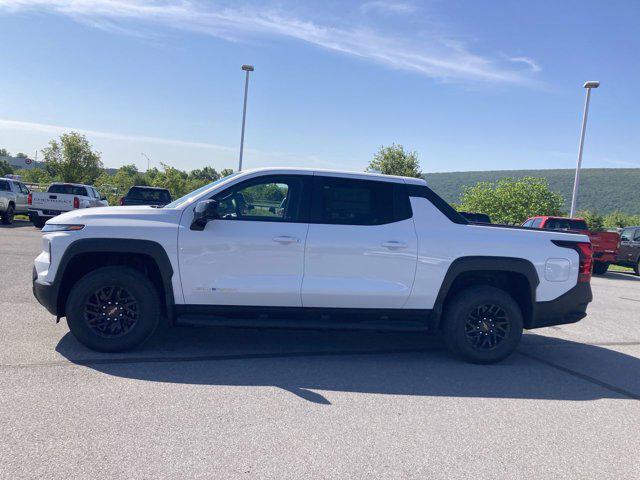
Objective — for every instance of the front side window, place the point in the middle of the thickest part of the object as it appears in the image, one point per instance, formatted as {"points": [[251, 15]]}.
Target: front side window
{"points": [[274, 198], [343, 201], [527, 224], [627, 234], [536, 223]]}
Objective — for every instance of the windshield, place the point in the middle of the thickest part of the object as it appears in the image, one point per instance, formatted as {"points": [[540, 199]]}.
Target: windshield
{"points": [[186, 198]]}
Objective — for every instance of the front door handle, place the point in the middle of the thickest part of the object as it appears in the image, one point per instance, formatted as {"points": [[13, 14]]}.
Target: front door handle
{"points": [[284, 239], [394, 245]]}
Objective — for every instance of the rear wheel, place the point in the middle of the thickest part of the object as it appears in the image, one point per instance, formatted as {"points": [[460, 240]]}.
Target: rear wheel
{"points": [[113, 309], [600, 268], [7, 217], [482, 324], [637, 267], [38, 222]]}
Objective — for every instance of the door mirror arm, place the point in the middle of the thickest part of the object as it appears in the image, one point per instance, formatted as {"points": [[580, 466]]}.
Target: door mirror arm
{"points": [[203, 213]]}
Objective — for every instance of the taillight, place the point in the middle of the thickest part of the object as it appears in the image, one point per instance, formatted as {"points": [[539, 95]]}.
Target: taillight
{"points": [[76, 202], [121, 200], [585, 254], [30, 199]]}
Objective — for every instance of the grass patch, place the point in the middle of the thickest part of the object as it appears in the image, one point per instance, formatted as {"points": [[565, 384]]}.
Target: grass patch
{"points": [[618, 268]]}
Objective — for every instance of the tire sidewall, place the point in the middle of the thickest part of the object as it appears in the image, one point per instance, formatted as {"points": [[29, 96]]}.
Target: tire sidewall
{"points": [[456, 314], [136, 284], [7, 217]]}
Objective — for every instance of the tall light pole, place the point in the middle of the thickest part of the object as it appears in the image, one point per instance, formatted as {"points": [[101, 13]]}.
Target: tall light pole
{"points": [[576, 182], [246, 68], [148, 159]]}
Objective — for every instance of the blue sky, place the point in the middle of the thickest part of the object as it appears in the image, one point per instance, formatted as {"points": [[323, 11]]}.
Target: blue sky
{"points": [[469, 85]]}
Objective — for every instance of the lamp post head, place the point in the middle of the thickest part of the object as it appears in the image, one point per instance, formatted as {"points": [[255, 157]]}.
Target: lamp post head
{"points": [[247, 68], [591, 84]]}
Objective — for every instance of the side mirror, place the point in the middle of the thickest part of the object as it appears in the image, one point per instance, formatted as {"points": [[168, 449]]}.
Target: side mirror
{"points": [[204, 212]]}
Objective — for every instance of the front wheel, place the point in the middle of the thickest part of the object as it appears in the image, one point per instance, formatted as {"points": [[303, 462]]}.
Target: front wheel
{"points": [[600, 268], [482, 324], [636, 269], [113, 309], [7, 217], [38, 222]]}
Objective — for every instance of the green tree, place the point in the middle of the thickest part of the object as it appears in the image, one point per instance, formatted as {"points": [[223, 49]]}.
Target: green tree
{"points": [[21, 155], [394, 160], [72, 159], [594, 221], [511, 200], [5, 168], [35, 175], [619, 219], [4, 152], [225, 172]]}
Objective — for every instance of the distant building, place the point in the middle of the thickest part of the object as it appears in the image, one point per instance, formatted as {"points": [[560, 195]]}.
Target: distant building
{"points": [[23, 163]]}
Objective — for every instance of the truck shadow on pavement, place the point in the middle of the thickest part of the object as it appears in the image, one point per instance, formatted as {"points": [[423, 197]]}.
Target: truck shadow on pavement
{"points": [[315, 364], [621, 276]]}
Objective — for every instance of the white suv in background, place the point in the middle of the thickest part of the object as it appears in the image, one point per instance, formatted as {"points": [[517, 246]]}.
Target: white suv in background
{"points": [[309, 248]]}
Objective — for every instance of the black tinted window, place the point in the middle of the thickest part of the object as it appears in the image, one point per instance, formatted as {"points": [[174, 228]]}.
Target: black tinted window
{"points": [[345, 201], [4, 186], [149, 194], [68, 189], [565, 224]]}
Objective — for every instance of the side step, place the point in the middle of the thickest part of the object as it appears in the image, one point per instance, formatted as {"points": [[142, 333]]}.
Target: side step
{"points": [[200, 320]]}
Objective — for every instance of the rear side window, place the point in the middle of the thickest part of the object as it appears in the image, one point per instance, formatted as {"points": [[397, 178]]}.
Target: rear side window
{"points": [[344, 201], [68, 189], [4, 186], [149, 194]]}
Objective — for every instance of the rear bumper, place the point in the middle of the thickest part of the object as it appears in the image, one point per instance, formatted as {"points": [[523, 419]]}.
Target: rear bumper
{"points": [[45, 293], [568, 308]]}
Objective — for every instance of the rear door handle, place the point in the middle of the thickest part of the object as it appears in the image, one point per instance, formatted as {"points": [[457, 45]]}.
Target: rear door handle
{"points": [[285, 239], [394, 245]]}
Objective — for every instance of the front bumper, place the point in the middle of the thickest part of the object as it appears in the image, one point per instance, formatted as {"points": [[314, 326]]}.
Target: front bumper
{"points": [[568, 308], [45, 293]]}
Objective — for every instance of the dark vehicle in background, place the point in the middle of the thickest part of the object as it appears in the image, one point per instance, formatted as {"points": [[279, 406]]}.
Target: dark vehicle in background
{"points": [[140, 195], [476, 217], [629, 253], [605, 244]]}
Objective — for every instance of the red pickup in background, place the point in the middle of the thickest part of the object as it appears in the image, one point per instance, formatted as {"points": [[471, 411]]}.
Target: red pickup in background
{"points": [[604, 244]]}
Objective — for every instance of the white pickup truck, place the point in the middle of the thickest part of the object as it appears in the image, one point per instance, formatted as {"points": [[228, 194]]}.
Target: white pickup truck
{"points": [[13, 199], [309, 248], [60, 198]]}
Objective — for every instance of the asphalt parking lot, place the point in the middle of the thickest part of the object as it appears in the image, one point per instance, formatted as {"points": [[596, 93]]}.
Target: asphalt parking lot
{"points": [[232, 403]]}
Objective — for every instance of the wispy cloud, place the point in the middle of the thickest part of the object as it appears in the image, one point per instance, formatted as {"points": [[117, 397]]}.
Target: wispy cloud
{"points": [[435, 56], [59, 130], [261, 157], [388, 6]]}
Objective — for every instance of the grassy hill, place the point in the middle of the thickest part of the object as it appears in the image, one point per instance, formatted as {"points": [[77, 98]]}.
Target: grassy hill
{"points": [[603, 190]]}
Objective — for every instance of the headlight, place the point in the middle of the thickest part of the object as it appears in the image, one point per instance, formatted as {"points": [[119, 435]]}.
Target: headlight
{"points": [[61, 228]]}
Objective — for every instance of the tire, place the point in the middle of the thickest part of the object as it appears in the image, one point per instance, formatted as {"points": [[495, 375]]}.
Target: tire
{"points": [[636, 269], [99, 300], [473, 342], [7, 217], [38, 222], [600, 268]]}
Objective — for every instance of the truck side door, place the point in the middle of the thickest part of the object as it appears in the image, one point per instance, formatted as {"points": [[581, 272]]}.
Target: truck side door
{"points": [[626, 252], [22, 194], [362, 245], [253, 254]]}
